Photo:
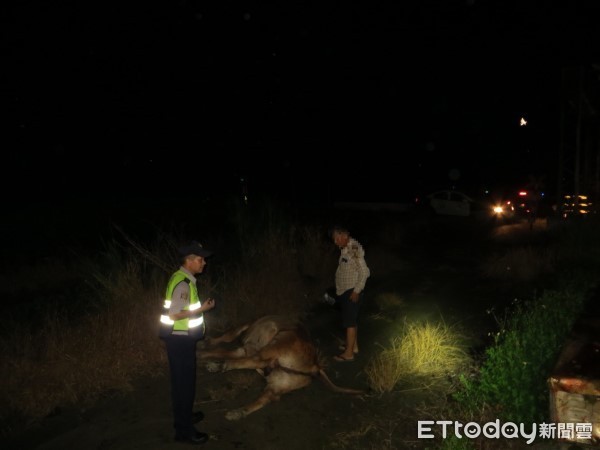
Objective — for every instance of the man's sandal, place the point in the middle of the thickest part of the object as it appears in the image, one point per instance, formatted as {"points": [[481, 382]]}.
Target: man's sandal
{"points": [[340, 358]]}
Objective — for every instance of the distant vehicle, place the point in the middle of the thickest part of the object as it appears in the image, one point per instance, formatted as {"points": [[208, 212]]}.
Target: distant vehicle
{"points": [[523, 205], [504, 210], [450, 203]]}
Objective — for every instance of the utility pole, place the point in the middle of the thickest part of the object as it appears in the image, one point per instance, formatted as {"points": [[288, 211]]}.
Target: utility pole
{"points": [[579, 140], [577, 170], [561, 144]]}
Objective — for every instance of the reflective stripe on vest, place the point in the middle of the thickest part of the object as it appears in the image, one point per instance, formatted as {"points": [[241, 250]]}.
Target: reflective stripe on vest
{"points": [[192, 323]]}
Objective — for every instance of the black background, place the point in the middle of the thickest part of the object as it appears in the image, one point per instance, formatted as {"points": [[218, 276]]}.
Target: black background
{"points": [[149, 95]]}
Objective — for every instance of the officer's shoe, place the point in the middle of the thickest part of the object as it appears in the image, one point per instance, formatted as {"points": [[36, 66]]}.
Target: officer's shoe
{"points": [[196, 438], [197, 416]]}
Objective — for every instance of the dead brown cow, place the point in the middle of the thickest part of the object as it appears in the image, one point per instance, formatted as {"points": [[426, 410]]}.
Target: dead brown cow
{"points": [[280, 349]]}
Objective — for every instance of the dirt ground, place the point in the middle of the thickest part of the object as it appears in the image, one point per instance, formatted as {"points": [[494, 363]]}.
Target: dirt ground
{"points": [[436, 277]]}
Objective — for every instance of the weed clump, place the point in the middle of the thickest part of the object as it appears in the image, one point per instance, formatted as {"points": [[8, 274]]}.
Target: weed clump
{"points": [[423, 352]]}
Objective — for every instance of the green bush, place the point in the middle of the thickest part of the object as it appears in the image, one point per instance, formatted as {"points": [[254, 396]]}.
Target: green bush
{"points": [[515, 368]]}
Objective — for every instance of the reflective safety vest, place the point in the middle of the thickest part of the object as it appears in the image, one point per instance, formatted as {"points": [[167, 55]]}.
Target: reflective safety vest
{"points": [[192, 327]]}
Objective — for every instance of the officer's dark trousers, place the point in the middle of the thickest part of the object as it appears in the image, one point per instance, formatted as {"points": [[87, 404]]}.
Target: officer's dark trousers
{"points": [[181, 351]]}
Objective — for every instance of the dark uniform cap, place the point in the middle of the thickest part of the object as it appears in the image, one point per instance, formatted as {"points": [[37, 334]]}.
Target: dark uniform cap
{"points": [[194, 248]]}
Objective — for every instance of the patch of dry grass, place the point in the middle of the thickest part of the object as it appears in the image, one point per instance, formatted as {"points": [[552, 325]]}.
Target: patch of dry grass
{"points": [[273, 276], [73, 359], [62, 364], [421, 353]]}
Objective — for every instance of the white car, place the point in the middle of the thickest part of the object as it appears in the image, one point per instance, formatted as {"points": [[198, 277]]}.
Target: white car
{"points": [[450, 203]]}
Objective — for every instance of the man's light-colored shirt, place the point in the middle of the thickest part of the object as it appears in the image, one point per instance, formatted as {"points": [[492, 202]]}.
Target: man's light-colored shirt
{"points": [[352, 271]]}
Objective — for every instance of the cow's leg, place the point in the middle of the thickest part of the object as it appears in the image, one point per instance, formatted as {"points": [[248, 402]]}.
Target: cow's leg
{"points": [[266, 397], [254, 362], [222, 353], [279, 383], [228, 336]]}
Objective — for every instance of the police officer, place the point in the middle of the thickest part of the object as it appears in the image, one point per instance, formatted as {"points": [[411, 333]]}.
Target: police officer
{"points": [[181, 326]]}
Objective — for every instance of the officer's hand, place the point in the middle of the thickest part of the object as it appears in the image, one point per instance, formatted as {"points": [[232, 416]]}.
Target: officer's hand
{"points": [[209, 304]]}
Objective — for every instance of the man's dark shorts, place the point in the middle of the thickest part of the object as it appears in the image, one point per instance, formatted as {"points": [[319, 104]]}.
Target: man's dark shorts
{"points": [[349, 308]]}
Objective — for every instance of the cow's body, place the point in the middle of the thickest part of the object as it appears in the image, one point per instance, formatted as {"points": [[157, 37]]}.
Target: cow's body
{"points": [[279, 348]]}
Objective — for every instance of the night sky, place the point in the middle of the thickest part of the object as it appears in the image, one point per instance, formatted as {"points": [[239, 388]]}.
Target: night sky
{"points": [[279, 92]]}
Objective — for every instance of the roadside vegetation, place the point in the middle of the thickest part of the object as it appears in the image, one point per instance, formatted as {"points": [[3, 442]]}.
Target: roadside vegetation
{"points": [[505, 381], [510, 382], [100, 334], [419, 355]]}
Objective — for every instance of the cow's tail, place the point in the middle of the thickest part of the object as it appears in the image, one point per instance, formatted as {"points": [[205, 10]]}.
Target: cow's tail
{"points": [[325, 379]]}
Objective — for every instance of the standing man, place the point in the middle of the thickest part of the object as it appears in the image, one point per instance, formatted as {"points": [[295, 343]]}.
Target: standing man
{"points": [[182, 325], [350, 279]]}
